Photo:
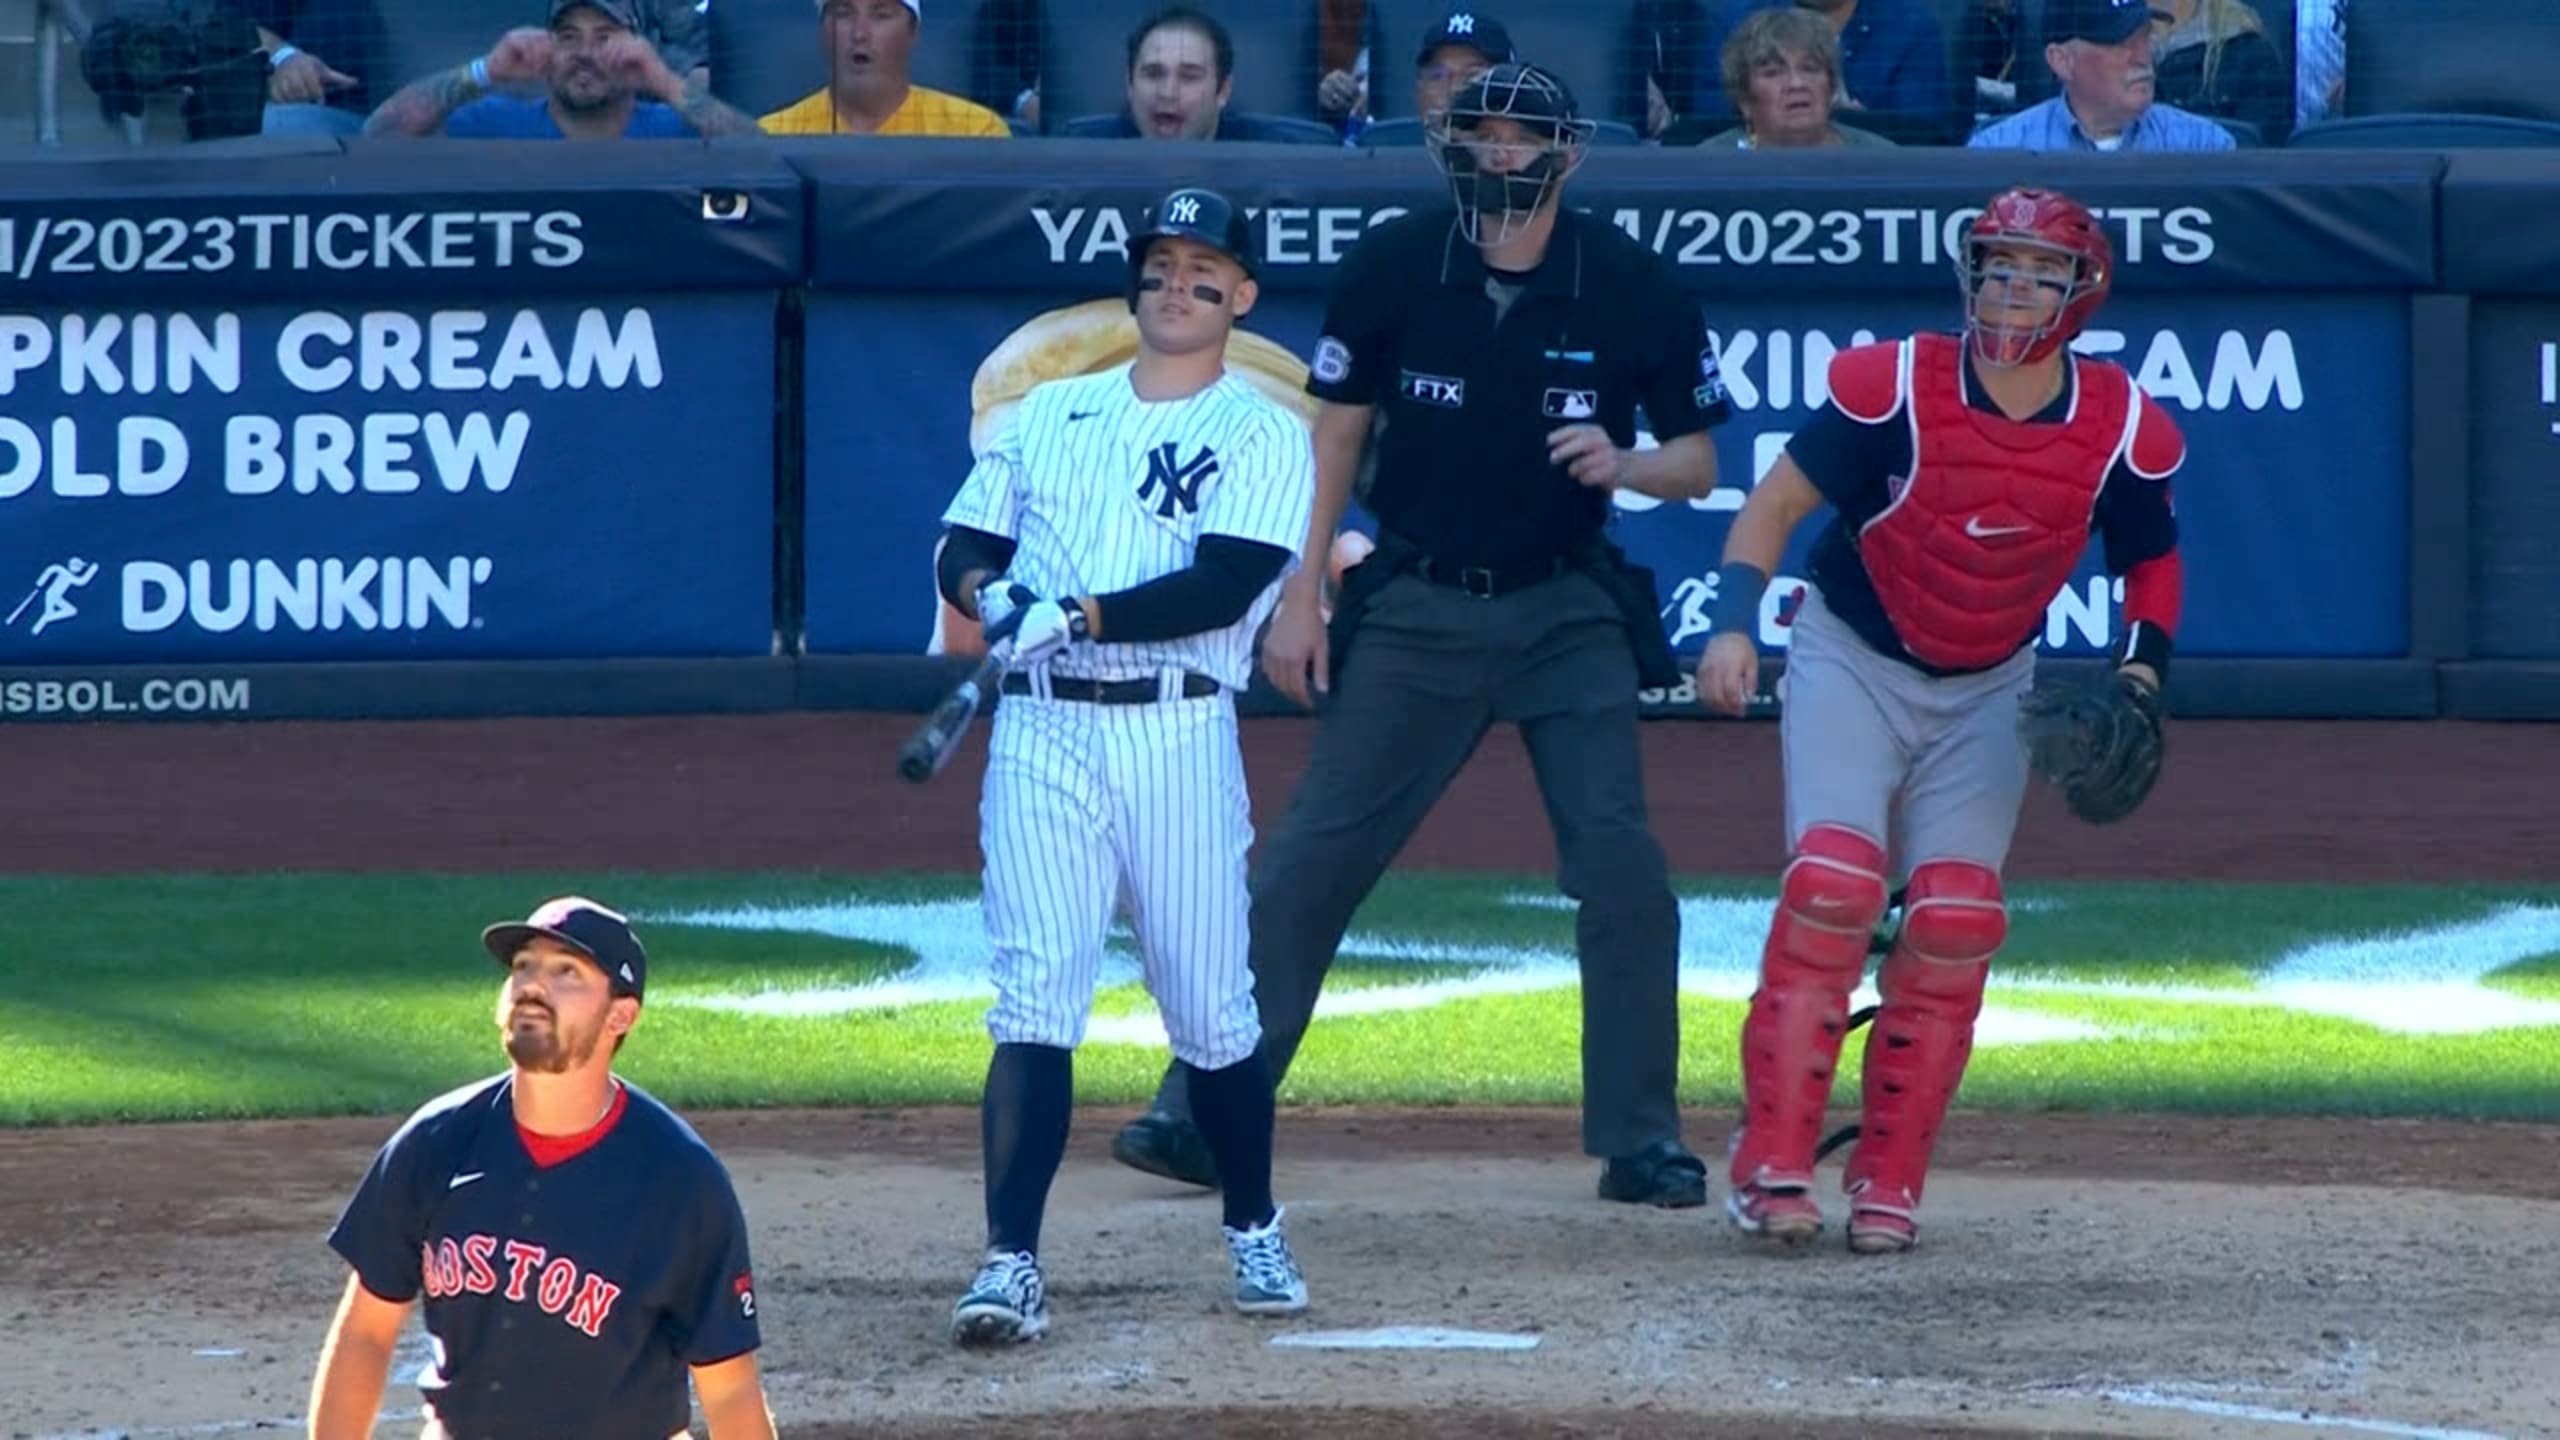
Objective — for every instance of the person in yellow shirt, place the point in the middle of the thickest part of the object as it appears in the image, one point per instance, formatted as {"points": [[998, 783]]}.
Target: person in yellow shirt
{"points": [[868, 45]]}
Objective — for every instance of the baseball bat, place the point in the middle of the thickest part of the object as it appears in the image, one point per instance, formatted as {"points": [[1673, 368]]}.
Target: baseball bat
{"points": [[935, 741]]}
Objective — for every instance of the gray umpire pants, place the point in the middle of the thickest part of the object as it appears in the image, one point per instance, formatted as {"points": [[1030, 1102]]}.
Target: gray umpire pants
{"points": [[1431, 670]]}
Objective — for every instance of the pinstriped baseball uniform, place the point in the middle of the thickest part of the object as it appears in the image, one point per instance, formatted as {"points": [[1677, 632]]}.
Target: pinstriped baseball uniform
{"points": [[1090, 806]]}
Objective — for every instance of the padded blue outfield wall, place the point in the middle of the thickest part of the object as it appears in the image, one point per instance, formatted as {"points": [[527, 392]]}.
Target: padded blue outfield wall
{"points": [[669, 426]]}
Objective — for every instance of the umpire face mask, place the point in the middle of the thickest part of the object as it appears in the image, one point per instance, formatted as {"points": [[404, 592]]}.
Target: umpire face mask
{"points": [[1501, 173]]}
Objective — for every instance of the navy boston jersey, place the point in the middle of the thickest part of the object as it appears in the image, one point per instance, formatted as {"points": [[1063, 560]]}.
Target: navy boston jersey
{"points": [[567, 1281]]}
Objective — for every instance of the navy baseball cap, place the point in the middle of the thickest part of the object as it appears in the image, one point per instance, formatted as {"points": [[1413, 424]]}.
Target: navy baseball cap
{"points": [[1478, 32], [2100, 22], [601, 935], [621, 12]]}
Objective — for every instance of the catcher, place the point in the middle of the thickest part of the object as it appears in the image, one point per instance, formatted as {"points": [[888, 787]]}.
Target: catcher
{"points": [[1968, 472]]}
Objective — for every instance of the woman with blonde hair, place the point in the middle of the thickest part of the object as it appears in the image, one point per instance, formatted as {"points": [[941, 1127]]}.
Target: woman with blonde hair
{"points": [[2214, 57], [1782, 72]]}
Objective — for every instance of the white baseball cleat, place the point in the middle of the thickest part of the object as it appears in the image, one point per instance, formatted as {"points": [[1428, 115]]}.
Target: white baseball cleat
{"points": [[1268, 1281]]}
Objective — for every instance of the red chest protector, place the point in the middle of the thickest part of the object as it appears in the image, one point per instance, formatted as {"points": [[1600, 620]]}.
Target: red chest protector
{"points": [[1996, 512]]}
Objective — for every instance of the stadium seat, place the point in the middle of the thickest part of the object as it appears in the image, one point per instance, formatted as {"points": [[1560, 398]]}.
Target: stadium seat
{"points": [[765, 53], [419, 39], [1407, 133], [2435, 57], [2243, 134], [2425, 132], [1280, 129]]}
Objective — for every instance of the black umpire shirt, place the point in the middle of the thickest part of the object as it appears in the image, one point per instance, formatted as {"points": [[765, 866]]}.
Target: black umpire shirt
{"points": [[1471, 369]]}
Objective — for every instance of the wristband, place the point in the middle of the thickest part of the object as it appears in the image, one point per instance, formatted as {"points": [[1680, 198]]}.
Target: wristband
{"points": [[2147, 644], [282, 53], [1739, 587]]}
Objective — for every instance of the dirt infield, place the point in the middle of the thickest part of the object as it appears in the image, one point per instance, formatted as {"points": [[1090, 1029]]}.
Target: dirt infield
{"points": [[2097, 1276]]}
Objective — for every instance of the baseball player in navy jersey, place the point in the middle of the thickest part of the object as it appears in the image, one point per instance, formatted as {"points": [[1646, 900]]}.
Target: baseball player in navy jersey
{"points": [[577, 1248], [1968, 474], [1127, 533]]}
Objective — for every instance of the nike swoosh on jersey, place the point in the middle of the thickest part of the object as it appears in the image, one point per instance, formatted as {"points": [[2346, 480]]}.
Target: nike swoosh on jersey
{"points": [[1979, 531], [1075, 415], [458, 1181]]}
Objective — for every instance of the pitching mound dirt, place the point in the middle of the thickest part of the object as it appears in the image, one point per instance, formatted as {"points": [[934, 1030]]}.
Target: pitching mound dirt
{"points": [[2076, 1276]]}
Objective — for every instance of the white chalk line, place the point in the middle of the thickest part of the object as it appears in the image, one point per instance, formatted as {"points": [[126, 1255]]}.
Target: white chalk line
{"points": [[2228, 1410]]}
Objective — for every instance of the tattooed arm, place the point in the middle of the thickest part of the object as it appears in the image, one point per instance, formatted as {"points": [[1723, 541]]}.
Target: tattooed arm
{"points": [[421, 106], [711, 117]]}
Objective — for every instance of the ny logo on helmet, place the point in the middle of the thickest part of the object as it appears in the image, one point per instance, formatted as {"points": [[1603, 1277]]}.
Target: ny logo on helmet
{"points": [[1176, 485], [1462, 24], [1185, 210]]}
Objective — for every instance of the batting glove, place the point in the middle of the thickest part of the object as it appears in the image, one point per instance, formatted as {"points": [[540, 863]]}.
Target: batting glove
{"points": [[1046, 627], [1000, 606]]}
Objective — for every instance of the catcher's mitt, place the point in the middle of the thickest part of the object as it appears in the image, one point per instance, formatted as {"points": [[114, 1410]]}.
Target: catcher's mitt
{"points": [[2100, 742]]}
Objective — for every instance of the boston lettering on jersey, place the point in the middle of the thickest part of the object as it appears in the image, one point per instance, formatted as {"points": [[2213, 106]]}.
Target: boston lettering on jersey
{"points": [[567, 1282], [466, 1268]]}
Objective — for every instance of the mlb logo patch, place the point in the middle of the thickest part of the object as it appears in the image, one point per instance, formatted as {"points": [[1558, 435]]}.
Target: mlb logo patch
{"points": [[1565, 404]]}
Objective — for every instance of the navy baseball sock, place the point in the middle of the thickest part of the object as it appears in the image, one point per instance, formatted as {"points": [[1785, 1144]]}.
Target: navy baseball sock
{"points": [[1022, 1120], [1233, 1109]]}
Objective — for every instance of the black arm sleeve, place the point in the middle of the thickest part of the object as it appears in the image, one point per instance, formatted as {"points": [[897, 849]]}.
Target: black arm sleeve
{"points": [[964, 550], [1211, 593]]}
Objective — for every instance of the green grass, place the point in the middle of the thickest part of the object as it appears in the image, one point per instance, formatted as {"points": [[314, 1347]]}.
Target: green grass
{"points": [[195, 997]]}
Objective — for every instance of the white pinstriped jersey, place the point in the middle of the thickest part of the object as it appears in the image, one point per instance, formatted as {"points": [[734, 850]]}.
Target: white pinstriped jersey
{"points": [[1102, 491]]}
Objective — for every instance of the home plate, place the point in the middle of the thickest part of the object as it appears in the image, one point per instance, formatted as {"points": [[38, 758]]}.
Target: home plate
{"points": [[1405, 1337]]}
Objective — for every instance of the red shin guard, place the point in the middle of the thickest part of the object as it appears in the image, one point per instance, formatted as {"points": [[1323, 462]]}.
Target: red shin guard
{"points": [[1953, 921], [1828, 904]]}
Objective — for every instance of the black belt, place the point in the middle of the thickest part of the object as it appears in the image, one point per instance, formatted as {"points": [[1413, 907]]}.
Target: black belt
{"points": [[1112, 692], [1487, 581]]}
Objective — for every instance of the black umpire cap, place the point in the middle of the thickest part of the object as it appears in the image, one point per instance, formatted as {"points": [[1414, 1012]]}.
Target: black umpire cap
{"points": [[601, 935], [1193, 213]]}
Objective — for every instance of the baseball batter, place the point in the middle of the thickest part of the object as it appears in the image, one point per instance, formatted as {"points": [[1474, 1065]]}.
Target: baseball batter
{"points": [[1127, 532], [1968, 474], [578, 1250]]}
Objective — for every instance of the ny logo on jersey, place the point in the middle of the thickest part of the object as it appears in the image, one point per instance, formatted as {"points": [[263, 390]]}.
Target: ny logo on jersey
{"points": [[1176, 486]]}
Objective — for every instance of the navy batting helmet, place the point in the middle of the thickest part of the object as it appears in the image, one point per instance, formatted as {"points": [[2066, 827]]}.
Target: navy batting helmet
{"points": [[1192, 213]]}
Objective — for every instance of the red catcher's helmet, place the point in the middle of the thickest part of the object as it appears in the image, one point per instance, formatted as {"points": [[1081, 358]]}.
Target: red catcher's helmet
{"points": [[2053, 221]]}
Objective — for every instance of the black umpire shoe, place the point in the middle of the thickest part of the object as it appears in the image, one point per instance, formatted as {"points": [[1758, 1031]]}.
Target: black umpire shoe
{"points": [[1161, 1144], [1663, 1173]]}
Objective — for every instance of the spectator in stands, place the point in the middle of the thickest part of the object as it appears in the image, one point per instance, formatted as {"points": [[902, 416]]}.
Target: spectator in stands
{"points": [[2213, 57], [321, 57], [1181, 74], [682, 33], [1669, 54], [1347, 38], [2101, 52], [594, 78], [1465, 44], [1005, 45], [2319, 60], [1893, 64], [870, 47], [1782, 67], [1993, 60]]}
